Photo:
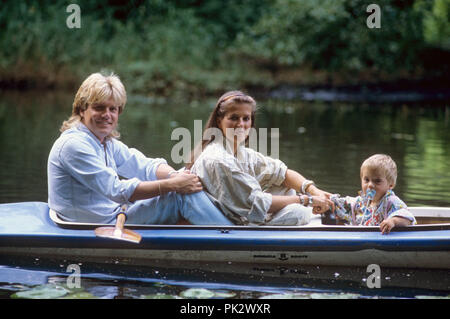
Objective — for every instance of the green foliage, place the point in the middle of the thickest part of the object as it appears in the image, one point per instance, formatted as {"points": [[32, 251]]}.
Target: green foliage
{"points": [[154, 45], [206, 45], [437, 24], [333, 35]]}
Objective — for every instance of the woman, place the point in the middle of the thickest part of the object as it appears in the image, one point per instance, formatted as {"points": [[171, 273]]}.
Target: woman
{"points": [[250, 188]]}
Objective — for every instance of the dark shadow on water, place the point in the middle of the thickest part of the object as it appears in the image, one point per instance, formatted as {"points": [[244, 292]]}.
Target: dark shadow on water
{"points": [[227, 280]]}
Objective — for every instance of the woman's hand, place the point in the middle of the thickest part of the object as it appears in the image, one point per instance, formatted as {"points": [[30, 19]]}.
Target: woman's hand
{"points": [[323, 198], [313, 190], [321, 204]]}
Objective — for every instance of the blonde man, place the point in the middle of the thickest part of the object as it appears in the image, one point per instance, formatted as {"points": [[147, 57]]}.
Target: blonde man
{"points": [[86, 161], [377, 204]]}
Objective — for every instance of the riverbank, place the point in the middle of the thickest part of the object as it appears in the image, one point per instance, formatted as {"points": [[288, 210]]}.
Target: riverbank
{"points": [[313, 88], [402, 91]]}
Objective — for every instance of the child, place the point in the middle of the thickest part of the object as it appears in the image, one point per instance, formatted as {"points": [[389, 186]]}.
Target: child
{"points": [[377, 203]]}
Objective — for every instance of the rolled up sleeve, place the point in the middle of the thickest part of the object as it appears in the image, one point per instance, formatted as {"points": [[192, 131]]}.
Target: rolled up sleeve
{"points": [[269, 171], [397, 208], [405, 214], [132, 163]]}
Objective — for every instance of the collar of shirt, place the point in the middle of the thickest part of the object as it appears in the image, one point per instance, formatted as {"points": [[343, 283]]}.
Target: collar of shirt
{"points": [[83, 128], [226, 145], [376, 213]]}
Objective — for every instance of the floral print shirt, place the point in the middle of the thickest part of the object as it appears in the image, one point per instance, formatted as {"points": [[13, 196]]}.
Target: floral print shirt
{"points": [[357, 211]]}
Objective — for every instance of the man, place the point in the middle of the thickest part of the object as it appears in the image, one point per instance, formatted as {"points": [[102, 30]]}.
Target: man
{"points": [[86, 161]]}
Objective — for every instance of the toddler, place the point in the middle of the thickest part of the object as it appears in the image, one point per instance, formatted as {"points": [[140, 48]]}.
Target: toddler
{"points": [[377, 204]]}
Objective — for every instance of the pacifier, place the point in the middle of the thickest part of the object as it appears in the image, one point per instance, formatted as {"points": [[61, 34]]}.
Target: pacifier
{"points": [[370, 194]]}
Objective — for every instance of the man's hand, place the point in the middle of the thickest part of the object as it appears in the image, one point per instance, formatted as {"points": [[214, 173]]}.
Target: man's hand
{"points": [[183, 183], [186, 183]]}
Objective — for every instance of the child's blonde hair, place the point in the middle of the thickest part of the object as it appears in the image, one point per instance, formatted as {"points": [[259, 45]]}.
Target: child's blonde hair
{"points": [[384, 164]]}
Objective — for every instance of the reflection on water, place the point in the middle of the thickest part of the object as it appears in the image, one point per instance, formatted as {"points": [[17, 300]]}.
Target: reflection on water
{"points": [[427, 163], [325, 142]]}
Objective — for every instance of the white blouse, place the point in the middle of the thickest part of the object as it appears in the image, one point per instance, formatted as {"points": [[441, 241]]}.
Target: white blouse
{"points": [[239, 184]]}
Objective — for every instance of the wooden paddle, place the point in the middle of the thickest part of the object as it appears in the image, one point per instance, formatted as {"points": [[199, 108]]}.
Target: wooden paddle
{"points": [[119, 232]]}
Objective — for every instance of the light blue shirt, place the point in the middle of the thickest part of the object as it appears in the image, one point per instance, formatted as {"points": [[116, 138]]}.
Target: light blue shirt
{"points": [[88, 181]]}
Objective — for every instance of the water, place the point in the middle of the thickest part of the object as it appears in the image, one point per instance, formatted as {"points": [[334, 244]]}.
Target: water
{"points": [[325, 142], [165, 280]]}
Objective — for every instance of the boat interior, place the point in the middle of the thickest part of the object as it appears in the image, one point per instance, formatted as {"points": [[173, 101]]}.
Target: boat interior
{"points": [[428, 218]]}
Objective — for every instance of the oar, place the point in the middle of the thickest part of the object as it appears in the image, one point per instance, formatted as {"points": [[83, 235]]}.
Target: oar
{"points": [[119, 232]]}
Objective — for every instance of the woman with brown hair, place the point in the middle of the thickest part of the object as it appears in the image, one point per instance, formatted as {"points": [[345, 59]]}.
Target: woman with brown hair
{"points": [[250, 188]]}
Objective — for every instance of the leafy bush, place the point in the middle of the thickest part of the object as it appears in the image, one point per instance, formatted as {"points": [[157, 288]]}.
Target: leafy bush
{"points": [[164, 46], [333, 35]]}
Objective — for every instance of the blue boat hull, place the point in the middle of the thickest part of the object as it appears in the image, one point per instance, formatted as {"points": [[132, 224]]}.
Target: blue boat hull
{"points": [[27, 229]]}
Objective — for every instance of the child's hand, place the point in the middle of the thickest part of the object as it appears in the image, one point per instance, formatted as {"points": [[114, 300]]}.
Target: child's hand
{"points": [[386, 225]]}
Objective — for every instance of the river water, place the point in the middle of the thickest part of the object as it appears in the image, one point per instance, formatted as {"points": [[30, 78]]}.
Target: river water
{"points": [[324, 141]]}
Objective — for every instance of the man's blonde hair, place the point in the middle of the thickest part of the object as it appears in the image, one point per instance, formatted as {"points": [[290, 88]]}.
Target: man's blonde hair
{"points": [[96, 89], [384, 164]]}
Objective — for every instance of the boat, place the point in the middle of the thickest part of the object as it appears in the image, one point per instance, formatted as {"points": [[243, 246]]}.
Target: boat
{"points": [[32, 229]]}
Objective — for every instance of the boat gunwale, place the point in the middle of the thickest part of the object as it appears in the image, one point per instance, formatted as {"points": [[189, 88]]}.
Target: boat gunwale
{"points": [[225, 228]]}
